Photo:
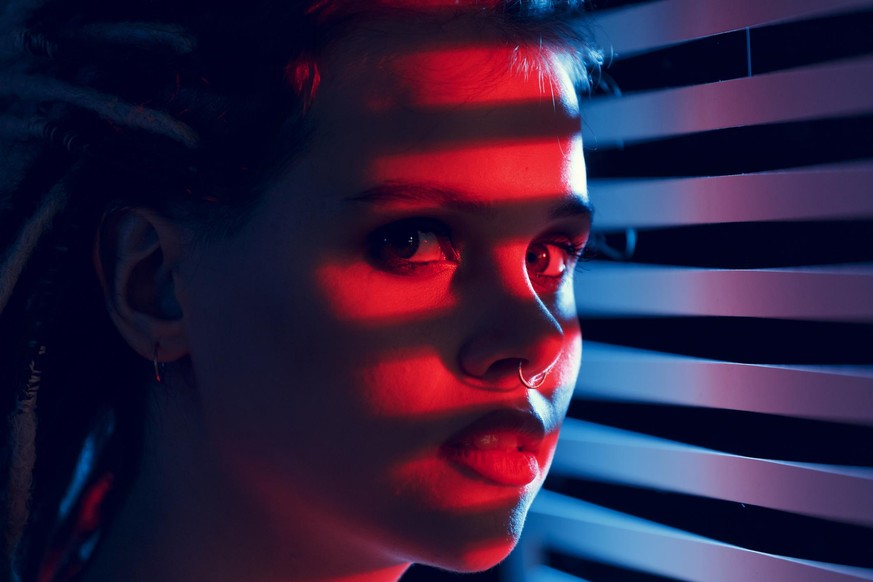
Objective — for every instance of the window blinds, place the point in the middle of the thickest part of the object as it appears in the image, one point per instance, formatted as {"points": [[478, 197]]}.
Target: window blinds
{"points": [[722, 426]]}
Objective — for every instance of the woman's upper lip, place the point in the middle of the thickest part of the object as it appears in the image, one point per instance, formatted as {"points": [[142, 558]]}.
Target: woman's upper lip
{"points": [[505, 428]]}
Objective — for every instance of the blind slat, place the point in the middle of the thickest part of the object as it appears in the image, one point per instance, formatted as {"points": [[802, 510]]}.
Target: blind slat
{"points": [[546, 574], [834, 394], [657, 24], [835, 193], [836, 293], [609, 454], [595, 532], [746, 204], [835, 89]]}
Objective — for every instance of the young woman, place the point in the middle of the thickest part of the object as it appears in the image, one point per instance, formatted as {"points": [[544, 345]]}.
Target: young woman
{"points": [[332, 329]]}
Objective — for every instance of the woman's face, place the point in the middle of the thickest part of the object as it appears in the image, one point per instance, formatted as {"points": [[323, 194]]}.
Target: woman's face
{"points": [[356, 346]]}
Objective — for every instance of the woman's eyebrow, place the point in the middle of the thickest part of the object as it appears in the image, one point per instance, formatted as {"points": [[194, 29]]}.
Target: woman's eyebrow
{"points": [[422, 193], [432, 194], [577, 206]]}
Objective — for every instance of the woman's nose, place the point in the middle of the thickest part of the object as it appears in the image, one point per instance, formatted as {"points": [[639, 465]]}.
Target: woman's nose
{"points": [[511, 337]]}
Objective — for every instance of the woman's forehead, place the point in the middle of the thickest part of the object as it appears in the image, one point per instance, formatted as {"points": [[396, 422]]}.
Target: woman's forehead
{"points": [[421, 64], [469, 113]]}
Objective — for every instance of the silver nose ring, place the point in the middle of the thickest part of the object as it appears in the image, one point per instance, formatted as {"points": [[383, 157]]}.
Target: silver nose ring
{"points": [[534, 382]]}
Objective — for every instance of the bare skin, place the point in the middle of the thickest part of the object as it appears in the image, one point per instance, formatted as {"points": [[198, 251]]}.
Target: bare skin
{"points": [[317, 366]]}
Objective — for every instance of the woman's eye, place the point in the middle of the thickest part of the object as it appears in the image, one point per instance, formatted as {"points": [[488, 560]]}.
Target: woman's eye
{"points": [[548, 260], [410, 244], [416, 246]]}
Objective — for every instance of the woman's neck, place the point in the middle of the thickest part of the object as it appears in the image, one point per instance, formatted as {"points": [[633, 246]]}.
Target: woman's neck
{"points": [[184, 519]]}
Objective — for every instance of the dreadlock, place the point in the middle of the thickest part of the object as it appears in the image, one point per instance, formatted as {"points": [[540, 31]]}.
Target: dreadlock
{"points": [[189, 108]]}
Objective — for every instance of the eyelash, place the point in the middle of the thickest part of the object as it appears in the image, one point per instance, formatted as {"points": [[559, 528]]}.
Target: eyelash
{"points": [[577, 252], [379, 242]]}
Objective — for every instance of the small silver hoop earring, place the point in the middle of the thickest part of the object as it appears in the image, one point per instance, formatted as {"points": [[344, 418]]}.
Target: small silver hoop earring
{"points": [[535, 382], [159, 366]]}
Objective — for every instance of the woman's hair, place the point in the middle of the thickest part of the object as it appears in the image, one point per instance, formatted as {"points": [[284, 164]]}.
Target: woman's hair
{"points": [[189, 108]]}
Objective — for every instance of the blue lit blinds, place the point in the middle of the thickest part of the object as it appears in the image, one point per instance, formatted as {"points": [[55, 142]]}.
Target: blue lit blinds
{"points": [[722, 427]]}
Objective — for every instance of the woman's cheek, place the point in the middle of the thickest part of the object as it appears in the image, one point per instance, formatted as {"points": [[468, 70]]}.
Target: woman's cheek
{"points": [[391, 327], [356, 292], [408, 382]]}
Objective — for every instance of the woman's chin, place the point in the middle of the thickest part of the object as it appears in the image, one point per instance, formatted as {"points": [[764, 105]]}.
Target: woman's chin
{"points": [[476, 558], [487, 557]]}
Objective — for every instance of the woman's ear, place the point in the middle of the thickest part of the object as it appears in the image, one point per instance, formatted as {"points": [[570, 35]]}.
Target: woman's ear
{"points": [[136, 257]]}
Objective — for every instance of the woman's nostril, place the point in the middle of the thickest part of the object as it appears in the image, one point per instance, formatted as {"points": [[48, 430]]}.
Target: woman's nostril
{"points": [[502, 369]]}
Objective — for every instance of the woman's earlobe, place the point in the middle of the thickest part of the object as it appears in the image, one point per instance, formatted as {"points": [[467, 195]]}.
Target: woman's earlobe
{"points": [[134, 256]]}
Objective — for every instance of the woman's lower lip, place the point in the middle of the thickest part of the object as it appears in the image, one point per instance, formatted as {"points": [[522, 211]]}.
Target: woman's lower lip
{"points": [[514, 468]]}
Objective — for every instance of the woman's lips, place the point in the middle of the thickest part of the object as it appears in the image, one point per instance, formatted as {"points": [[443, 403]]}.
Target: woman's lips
{"points": [[502, 446]]}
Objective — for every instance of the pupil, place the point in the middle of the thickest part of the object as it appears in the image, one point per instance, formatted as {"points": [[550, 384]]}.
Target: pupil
{"points": [[405, 244], [537, 258]]}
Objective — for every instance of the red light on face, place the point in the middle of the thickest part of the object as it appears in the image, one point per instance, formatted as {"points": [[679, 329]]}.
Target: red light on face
{"points": [[506, 171], [463, 75], [359, 293], [410, 261], [424, 384]]}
